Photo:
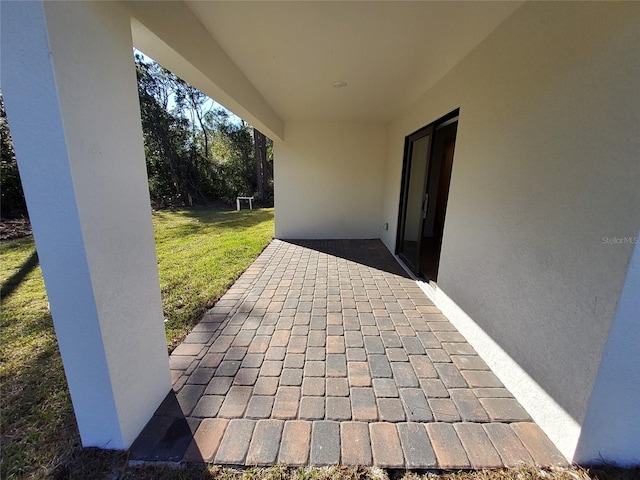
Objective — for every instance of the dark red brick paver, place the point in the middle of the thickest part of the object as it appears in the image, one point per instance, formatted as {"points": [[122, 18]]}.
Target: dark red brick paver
{"points": [[296, 442], [447, 446], [206, 441], [480, 451], [385, 445], [538, 445], [355, 443], [507, 444]]}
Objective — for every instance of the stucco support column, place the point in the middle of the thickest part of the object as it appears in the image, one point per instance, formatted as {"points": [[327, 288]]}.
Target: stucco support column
{"points": [[69, 84], [611, 430]]}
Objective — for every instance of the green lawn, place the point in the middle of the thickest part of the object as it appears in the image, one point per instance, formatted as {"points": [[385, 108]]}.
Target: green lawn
{"points": [[201, 251]]}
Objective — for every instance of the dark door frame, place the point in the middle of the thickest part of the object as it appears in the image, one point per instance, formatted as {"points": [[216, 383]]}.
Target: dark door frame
{"points": [[430, 129], [404, 194]]}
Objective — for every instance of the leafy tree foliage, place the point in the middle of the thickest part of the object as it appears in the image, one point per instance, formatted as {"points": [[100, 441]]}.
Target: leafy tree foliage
{"points": [[233, 153], [194, 154], [12, 204], [178, 171]]}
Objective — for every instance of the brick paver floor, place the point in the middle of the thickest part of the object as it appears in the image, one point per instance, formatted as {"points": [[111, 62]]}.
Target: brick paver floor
{"points": [[324, 353]]}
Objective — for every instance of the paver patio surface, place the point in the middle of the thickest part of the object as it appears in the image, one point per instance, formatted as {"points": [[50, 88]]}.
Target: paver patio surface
{"points": [[325, 353]]}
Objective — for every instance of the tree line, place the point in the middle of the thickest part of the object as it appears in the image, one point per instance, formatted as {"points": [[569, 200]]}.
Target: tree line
{"points": [[195, 153]]}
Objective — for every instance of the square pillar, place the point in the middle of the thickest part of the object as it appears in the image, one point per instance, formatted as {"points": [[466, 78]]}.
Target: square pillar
{"points": [[611, 428], [69, 84]]}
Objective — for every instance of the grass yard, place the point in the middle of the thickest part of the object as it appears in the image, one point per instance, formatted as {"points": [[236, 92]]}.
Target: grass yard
{"points": [[201, 251], [38, 427]]}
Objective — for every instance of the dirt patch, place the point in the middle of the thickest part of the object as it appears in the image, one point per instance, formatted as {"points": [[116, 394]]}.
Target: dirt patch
{"points": [[10, 229]]}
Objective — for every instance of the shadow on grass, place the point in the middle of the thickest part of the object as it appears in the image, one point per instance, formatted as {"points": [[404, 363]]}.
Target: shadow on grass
{"points": [[94, 463], [16, 279], [38, 422], [204, 219]]}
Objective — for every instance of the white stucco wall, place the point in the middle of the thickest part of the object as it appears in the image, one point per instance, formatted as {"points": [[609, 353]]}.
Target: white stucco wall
{"points": [[546, 165], [329, 180], [70, 91]]}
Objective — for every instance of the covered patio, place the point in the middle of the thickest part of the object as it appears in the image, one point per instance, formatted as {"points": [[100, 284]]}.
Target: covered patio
{"points": [[539, 265], [326, 352]]}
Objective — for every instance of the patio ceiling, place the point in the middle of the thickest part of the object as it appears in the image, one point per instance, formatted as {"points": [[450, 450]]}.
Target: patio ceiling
{"points": [[389, 53]]}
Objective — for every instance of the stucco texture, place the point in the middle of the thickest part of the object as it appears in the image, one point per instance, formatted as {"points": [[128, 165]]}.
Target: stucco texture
{"points": [[329, 180], [545, 172]]}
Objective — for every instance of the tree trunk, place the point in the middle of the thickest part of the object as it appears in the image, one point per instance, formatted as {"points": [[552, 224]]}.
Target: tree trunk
{"points": [[260, 145]]}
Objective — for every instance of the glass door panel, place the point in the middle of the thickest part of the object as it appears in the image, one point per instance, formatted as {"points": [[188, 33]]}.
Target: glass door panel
{"points": [[426, 173], [414, 201]]}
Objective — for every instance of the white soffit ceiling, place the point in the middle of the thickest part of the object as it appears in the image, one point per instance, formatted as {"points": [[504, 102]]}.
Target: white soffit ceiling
{"points": [[389, 53]]}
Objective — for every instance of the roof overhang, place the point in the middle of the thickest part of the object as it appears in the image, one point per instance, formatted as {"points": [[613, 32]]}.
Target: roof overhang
{"points": [[273, 62]]}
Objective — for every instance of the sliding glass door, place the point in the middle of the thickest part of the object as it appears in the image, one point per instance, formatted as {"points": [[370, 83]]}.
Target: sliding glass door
{"points": [[426, 175], [414, 201]]}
